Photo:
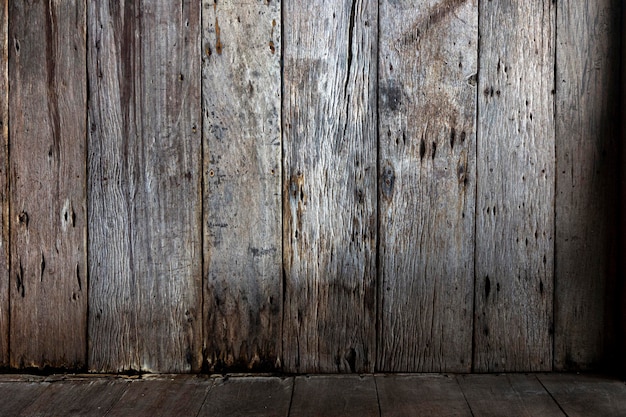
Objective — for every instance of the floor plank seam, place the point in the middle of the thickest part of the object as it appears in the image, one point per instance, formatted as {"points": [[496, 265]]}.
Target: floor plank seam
{"points": [[551, 396], [456, 378], [293, 389], [380, 411]]}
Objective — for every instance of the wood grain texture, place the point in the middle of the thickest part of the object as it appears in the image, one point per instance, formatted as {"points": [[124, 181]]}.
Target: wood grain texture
{"points": [[242, 184], [48, 88], [586, 191], [4, 183], [513, 327], [329, 192], [427, 70], [145, 186], [16, 396]]}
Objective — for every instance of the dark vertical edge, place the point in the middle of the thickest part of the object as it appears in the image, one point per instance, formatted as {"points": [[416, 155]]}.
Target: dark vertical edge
{"points": [[620, 304], [203, 228], [378, 331], [86, 5], [4, 203]]}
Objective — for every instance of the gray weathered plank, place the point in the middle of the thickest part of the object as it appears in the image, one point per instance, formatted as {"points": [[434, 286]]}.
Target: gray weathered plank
{"points": [[16, 396], [4, 190], [167, 396], [145, 186], [586, 190], [515, 195], [507, 395], [338, 395], [249, 396], [420, 395], [47, 126], [329, 110], [427, 68], [242, 184], [587, 395]]}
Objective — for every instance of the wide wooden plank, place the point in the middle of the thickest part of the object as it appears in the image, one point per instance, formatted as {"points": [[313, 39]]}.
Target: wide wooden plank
{"points": [[587, 395], [48, 87], [249, 396], [586, 190], [427, 68], [242, 184], [4, 190], [420, 395], [339, 395], [514, 395], [174, 396], [145, 186], [513, 327], [16, 396], [329, 192]]}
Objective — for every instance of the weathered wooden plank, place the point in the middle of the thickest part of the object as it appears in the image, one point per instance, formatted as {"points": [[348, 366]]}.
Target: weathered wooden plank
{"points": [[242, 184], [4, 190], [586, 190], [145, 186], [339, 395], [427, 68], [329, 111], [77, 398], [513, 327], [420, 395], [507, 395], [249, 396], [587, 395], [16, 396], [173, 396], [47, 126]]}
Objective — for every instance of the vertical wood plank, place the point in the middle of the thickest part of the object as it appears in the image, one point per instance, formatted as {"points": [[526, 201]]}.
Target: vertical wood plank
{"points": [[586, 191], [4, 190], [427, 69], [515, 194], [145, 186], [48, 184], [329, 110], [242, 184]]}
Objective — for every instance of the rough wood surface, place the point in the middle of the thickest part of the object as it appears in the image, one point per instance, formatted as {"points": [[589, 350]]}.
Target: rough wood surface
{"points": [[249, 396], [4, 189], [508, 395], [420, 395], [586, 191], [341, 395], [329, 192], [145, 186], [48, 87], [242, 184], [515, 197], [427, 70], [16, 396]]}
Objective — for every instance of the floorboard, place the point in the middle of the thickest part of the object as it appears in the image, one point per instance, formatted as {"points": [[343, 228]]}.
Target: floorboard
{"points": [[16, 396]]}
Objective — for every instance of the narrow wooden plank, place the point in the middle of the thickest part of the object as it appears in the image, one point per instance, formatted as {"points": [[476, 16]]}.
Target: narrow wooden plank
{"points": [[77, 398], [329, 110], [163, 397], [427, 69], [48, 88], [16, 396], [145, 186], [339, 395], [4, 190], [515, 197], [587, 395], [586, 190], [242, 184], [621, 302], [507, 395], [421, 395], [249, 396]]}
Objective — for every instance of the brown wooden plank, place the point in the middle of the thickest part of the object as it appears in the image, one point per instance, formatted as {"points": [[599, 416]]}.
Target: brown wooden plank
{"points": [[48, 88], [587, 395], [4, 191], [515, 197], [339, 395], [77, 398], [145, 186], [242, 184], [329, 111], [174, 396], [586, 190], [249, 396], [507, 395], [16, 396], [427, 68], [420, 395]]}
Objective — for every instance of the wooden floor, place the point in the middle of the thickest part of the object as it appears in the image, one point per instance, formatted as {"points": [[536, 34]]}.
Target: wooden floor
{"points": [[432, 395]]}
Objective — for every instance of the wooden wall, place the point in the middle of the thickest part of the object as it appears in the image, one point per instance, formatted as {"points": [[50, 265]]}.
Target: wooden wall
{"points": [[345, 186]]}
